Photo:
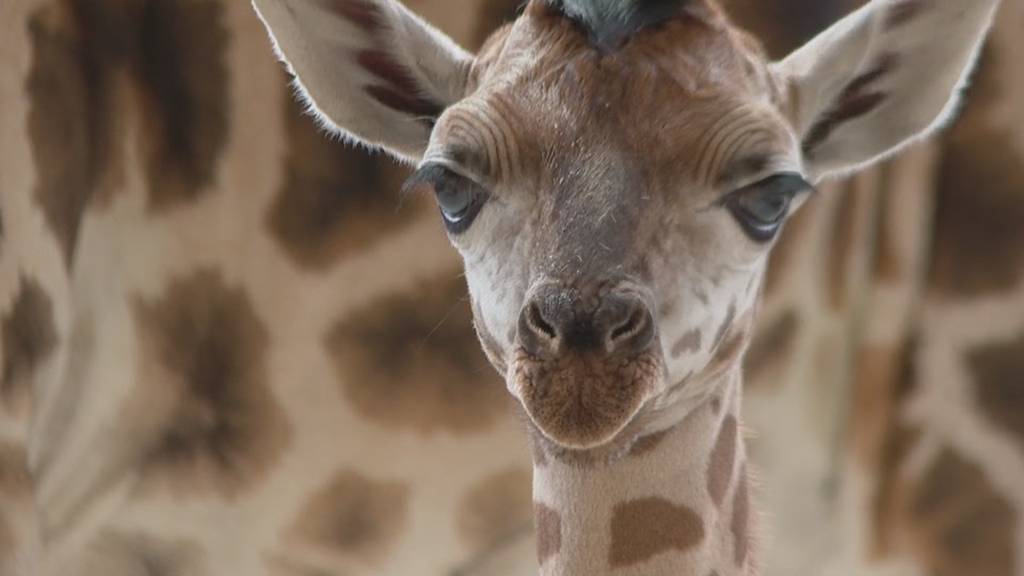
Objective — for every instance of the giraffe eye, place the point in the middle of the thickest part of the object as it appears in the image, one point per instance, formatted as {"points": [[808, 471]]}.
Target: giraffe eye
{"points": [[459, 198], [762, 207]]}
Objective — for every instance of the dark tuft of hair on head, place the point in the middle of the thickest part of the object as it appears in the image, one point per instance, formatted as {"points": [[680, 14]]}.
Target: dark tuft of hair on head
{"points": [[610, 23]]}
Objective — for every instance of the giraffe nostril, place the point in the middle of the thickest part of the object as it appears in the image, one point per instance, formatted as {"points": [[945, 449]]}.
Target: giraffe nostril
{"points": [[535, 318], [631, 326]]}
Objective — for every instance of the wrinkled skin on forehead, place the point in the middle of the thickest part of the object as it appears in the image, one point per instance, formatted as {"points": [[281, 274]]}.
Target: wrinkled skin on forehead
{"points": [[607, 171]]}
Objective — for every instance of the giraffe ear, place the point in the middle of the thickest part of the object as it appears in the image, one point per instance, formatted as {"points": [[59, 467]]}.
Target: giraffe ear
{"points": [[368, 69], [884, 75]]}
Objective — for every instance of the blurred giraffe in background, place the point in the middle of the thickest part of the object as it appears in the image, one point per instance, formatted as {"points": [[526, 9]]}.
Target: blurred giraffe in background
{"points": [[143, 228]]}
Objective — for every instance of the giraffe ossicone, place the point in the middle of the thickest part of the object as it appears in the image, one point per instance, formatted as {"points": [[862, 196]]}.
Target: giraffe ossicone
{"points": [[614, 176]]}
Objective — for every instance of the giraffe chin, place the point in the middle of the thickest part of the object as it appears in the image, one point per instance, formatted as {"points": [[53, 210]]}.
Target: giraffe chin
{"points": [[583, 401]]}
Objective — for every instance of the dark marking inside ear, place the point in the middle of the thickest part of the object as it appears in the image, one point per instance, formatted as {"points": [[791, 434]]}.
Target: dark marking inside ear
{"points": [[363, 14], [400, 91], [861, 96], [902, 13]]}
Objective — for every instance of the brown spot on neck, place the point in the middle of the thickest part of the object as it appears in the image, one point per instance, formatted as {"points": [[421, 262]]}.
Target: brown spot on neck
{"points": [[549, 532], [644, 528]]}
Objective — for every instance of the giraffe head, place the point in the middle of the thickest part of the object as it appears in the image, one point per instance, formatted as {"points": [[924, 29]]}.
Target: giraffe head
{"points": [[614, 173]]}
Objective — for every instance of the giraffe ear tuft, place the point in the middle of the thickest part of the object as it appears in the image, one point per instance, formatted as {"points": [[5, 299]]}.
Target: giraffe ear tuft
{"points": [[883, 76]]}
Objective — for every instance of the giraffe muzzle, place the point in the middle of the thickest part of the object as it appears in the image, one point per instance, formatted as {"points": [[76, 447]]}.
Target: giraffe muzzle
{"points": [[584, 365]]}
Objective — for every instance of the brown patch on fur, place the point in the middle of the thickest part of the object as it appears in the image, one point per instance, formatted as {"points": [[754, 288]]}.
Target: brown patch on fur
{"points": [[646, 527], [172, 54], [443, 382], [28, 336], [961, 524], [902, 13], [69, 118], [203, 352], [771, 347], [688, 343], [579, 400], [998, 371], [979, 210], [740, 524], [723, 460], [496, 508], [180, 65], [335, 199], [354, 516], [549, 532], [860, 97]]}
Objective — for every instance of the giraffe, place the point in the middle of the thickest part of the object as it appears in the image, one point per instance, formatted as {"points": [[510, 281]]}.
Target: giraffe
{"points": [[929, 494], [613, 176]]}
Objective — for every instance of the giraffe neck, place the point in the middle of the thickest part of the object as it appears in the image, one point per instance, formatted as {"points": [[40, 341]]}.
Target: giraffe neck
{"points": [[675, 502]]}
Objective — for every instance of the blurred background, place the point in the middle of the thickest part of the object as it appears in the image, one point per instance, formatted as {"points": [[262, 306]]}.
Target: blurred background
{"points": [[227, 347]]}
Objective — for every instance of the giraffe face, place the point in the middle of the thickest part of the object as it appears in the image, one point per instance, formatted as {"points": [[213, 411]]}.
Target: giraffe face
{"points": [[610, 256], [614, 173]]}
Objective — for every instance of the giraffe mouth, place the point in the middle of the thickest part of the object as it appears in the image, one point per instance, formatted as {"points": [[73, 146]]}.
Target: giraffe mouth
{"points": [[583, 401]]}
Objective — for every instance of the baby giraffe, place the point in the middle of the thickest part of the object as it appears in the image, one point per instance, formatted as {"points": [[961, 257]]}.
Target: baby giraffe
{"points": [[614, 174]]}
